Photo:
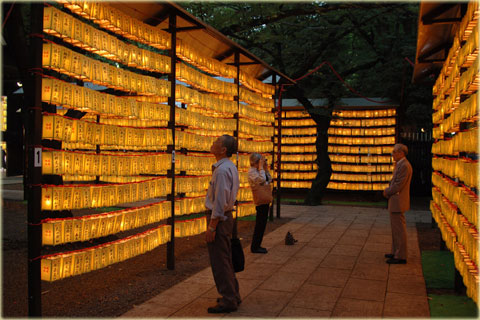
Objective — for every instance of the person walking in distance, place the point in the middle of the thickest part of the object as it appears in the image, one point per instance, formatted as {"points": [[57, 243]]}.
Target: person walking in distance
{"points": [[221, 197], [398, 195], [259, 179]]}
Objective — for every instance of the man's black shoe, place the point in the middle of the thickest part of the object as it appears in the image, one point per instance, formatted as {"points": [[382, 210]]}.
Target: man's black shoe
{"points": [[221, 309], [389, 255], [396, 261], [239, 302], [259, 250]]}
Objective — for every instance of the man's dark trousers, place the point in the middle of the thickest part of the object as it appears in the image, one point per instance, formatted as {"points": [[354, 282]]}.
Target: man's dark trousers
{"points": [[220, 252]]}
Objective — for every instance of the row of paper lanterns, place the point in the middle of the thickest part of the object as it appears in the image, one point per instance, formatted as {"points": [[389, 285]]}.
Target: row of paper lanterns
{"points": [[298, 131], [84, 228], [123, 122], [244, 194], [249, 112], [188, 118], [72, 96], [463, 141], [204, 82], [335, 185], [298, 148], [67, 264], [120, 23], [375, 113], [448, 234], [255, 130], [254, 113], [267, 104], [297, 175], [255, 146], [467, 267], [73, 130], [388, 131], [73, 31], [245, 209], [68, 197], [362, 140], [464, 169], [455, 206], [360, 177], [467, 84], [300, 166], [296, 184], [463, 46], [297, 140], [364, 123], [336, 167], [466, 112], [194, 57], [360, 159], [369, 150], [120, 164], [82, 35], [78, 66], [297, 157], [465, 231], [462, 197]]}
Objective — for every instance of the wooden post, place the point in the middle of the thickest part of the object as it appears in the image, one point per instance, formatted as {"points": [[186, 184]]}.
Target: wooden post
{"points": [[34, 166], [172, 28], [279, 150], [274, 83]]}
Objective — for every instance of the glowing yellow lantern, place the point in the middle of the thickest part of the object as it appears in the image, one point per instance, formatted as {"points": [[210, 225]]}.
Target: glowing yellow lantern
{"points": [[78, 263], [104, 196], [67, 265], [50, 268]]}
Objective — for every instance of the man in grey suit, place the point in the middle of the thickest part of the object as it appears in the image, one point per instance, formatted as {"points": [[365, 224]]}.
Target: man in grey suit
{"points": [[398, 195]]}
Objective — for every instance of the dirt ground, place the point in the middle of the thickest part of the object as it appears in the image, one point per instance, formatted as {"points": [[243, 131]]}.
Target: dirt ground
{"points": [[108, 292], [112, 291]]}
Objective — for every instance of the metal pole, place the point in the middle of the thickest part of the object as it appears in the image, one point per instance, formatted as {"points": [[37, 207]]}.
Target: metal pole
{"points": [[34, 169], [279, 149], [172, 28]]}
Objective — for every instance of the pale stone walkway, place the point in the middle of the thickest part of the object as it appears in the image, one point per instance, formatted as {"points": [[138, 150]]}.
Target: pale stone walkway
{"points": [[336, 269]]}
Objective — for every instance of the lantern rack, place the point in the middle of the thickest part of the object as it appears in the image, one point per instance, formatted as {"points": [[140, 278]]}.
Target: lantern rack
{"points": [[130, 143], [455, 151], [112, 143]]}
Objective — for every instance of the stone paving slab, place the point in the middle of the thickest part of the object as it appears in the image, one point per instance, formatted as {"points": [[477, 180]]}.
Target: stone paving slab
{"points": [[364, 289], [329, 277], [354, 308], [336, 269]]}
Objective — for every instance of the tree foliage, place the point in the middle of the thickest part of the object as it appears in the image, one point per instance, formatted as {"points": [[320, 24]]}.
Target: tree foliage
{"points": [[367, 43]]}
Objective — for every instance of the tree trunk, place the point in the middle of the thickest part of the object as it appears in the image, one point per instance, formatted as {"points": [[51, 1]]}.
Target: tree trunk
{"points": [[322, 117], [324, 171]]}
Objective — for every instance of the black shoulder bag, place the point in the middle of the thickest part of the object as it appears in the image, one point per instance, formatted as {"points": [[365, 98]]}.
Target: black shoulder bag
{"points": [[238, 258]]}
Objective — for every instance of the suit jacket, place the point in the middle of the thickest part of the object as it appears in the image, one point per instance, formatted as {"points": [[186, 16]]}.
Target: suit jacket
{"points": [[398, 192]]}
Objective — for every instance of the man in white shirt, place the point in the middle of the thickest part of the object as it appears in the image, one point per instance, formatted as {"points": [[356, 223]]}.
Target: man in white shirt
{"points": [[221, 197]]}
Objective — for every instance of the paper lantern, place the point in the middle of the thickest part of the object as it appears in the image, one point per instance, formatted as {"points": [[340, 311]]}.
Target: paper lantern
{"points": [[97, 258], [50, 268], [104, 256], [67, 265]]}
